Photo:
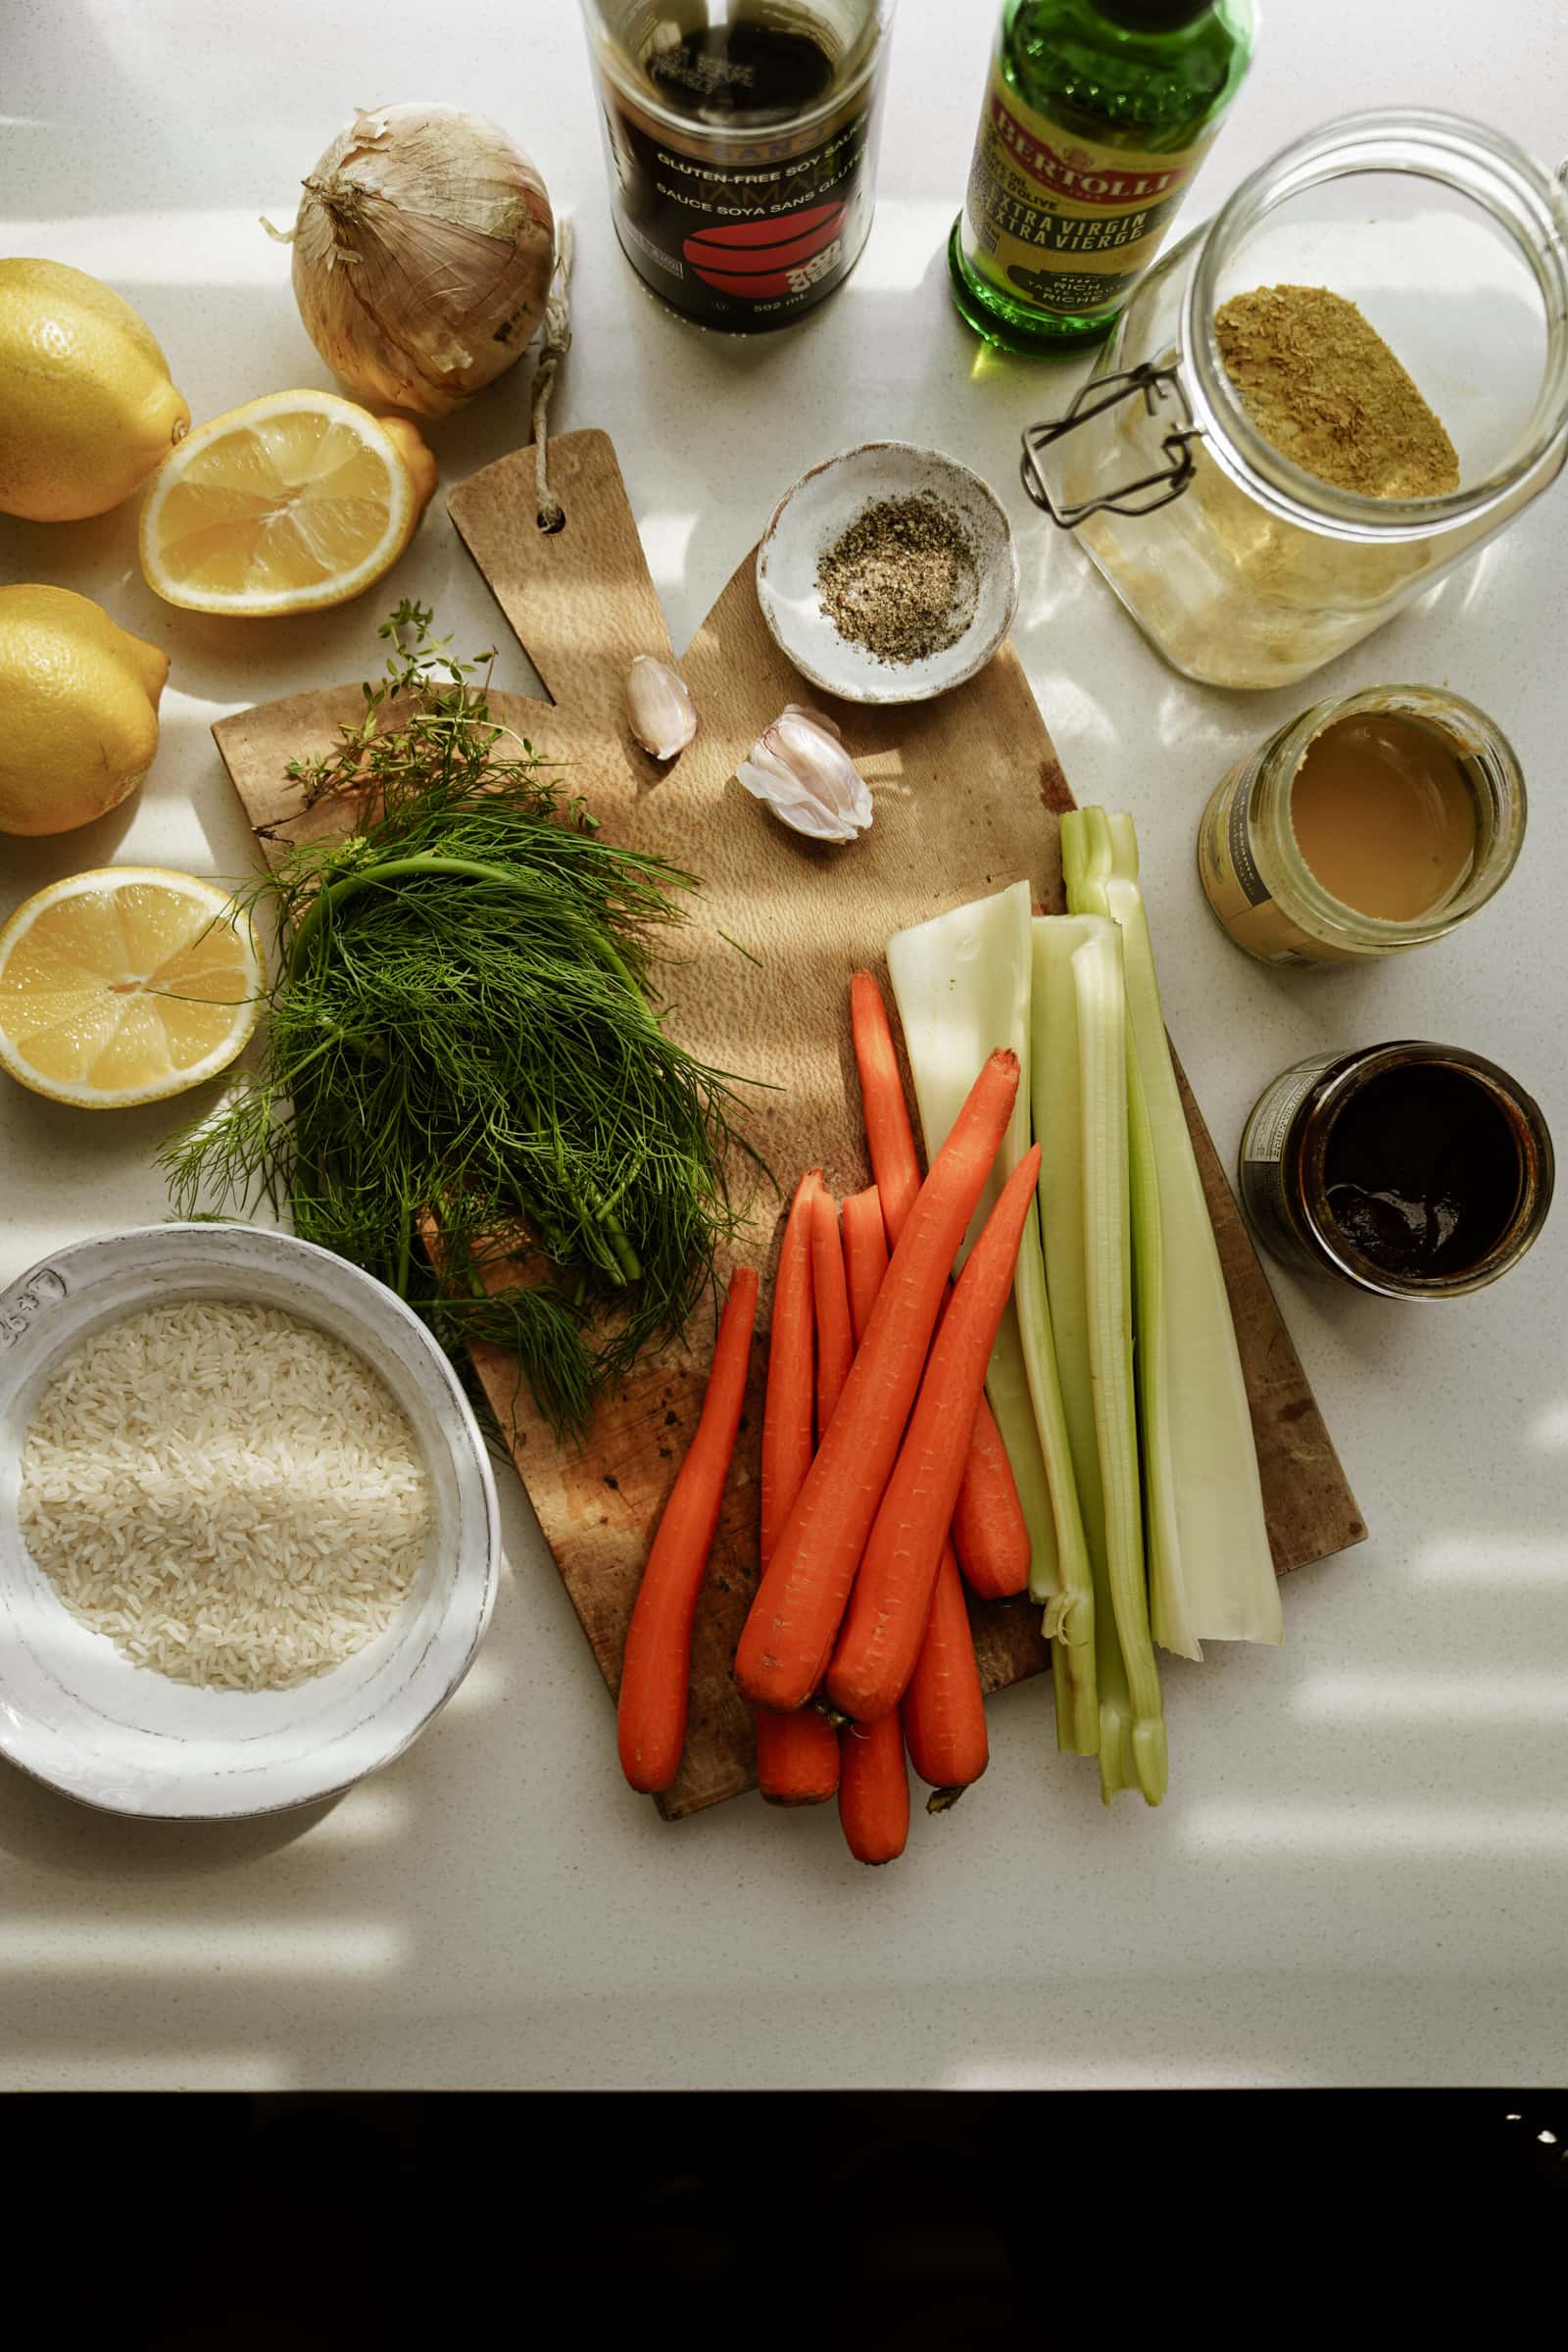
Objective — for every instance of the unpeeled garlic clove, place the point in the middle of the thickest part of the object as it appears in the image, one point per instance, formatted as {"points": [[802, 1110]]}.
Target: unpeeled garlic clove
{"points": [[801, 770], [658, 707]]}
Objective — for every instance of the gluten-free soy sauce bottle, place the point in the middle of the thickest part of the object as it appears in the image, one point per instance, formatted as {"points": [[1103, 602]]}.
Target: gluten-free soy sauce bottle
{"points": [[740, 136], [1096, 116]]}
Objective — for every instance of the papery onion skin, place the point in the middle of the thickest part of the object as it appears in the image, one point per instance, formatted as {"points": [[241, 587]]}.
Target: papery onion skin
{"points": [[423, 255]]}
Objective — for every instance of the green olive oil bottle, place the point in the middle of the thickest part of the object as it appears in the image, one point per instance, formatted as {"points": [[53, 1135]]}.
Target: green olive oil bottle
{"points": [[1097, 115]]}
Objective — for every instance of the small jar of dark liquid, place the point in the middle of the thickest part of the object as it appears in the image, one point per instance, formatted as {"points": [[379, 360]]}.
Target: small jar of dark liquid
{"points": [[1415, 1171], [741, 142]]}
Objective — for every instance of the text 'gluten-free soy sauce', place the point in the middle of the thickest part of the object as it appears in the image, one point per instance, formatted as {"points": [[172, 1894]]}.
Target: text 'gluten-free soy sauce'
{"points": [[740, 147]]}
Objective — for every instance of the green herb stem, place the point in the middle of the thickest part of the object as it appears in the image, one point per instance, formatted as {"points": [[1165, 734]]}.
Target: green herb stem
{"points": [[333, 896], [462, 1027]]}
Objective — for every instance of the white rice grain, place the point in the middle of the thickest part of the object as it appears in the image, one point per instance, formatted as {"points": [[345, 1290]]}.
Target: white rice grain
{"points": [[230, 1496]]}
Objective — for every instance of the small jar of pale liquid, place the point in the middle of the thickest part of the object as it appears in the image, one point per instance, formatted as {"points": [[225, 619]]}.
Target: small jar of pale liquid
{"points": [[1371, 824]]}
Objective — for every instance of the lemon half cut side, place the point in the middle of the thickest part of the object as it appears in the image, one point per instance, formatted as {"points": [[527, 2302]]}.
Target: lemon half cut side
{"points": [[291, 503], [126, 985]]}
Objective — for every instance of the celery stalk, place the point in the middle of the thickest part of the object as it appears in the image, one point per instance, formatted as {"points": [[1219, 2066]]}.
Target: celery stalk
{"points": [[1080, 1127], [1132, 1752], [963, 985], [1211, 1574], [1069, 1599]]}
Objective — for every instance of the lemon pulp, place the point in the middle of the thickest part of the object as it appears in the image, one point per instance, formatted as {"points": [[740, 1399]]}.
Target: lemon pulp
{"points": [[284, 503], [124, 987], [293, 502]]}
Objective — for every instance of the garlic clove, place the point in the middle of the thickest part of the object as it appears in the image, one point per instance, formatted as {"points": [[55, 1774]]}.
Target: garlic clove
{"points": [[818, 719], [797, 810], [660, 710], [799, 768]]}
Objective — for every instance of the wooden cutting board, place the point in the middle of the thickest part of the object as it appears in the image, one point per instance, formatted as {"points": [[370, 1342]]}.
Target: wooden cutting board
{"points": [[969, 792]]}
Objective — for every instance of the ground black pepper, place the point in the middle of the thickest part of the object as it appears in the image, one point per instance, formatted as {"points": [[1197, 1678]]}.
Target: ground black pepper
{"points": [[903, 581]]}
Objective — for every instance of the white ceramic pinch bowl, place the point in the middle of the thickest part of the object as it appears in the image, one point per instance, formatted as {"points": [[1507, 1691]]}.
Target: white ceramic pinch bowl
{"points": [[814, 517], [77, 1714]]}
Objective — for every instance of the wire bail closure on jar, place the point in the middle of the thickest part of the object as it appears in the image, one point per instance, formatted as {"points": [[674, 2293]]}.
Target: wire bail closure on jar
{"points": [[1158, 386]]}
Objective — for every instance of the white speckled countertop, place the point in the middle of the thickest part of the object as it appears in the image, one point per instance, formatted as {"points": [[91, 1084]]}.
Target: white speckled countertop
{"points": [[1360, 1874]]}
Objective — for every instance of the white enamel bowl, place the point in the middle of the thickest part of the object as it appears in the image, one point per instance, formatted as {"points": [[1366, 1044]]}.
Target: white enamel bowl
{"points": [[813, 516], [74, 1713]]}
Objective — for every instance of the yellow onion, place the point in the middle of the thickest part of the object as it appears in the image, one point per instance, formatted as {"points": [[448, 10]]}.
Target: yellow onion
{"points": [[423, 255]]}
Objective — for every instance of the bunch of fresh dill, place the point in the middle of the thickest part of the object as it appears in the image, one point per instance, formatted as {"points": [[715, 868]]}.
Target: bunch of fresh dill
{"points": [[463, 1086]]}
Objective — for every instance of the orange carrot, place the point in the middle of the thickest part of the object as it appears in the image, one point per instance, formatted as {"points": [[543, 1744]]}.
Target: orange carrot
{"points": [[888, 1133], [989, 1530], [866, 1255], [891, 1598], [835, 1349], [788, 1636], [874, 1790], [989, 1534], [655, 1670], [797, 1756], [944, 1709], [787, 1415]]}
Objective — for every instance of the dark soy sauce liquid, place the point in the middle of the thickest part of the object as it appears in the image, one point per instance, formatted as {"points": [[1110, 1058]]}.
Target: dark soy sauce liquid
{"points": [[1422, 1172], [741, 154], [741, 70]]}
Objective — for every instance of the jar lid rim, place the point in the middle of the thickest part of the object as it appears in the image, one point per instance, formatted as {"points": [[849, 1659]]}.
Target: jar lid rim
{"points": [[1440, 138], [1430, 704], [1362, 1067]]}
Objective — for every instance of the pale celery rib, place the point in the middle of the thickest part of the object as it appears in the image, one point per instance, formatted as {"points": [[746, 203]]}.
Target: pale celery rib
{"points": [[1069, 1601], [1138, 1759], [1211, 1573], [1079, 1100], [962, 984]]}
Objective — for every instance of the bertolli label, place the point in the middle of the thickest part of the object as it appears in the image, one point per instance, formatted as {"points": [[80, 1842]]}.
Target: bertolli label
{"points": [[1061, 222]]}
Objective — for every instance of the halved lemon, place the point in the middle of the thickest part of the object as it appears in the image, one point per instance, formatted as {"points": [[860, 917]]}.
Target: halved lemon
{"points": [[126, 985], [291, 503]]}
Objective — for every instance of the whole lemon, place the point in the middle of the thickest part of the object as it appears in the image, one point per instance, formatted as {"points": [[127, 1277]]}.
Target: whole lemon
{"points": [[79, 699], [87, 407]]}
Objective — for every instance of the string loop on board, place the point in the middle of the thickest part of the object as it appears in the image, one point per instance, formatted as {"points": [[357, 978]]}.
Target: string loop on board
{"points": [[556, 344]]}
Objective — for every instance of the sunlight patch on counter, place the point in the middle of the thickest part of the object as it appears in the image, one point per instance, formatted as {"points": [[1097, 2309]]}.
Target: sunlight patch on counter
{"points": [[1549, 1431], [131, 1948], [666, 537], [907, 232], [1069, 2070], [160, 2070], [1286, 1833], [163, 249], [485, 1681], [1487, 1560], [367, 1816], [1359, 1696]]}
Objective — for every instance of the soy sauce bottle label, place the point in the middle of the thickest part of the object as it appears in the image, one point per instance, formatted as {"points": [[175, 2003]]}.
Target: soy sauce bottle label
{"points": [[751, 233], [1063, 221]]}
